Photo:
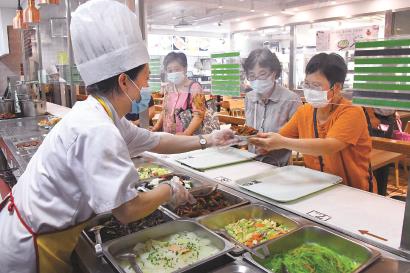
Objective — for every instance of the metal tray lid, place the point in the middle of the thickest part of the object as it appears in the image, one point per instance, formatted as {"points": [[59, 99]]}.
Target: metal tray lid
{"points": [[112, 248]]}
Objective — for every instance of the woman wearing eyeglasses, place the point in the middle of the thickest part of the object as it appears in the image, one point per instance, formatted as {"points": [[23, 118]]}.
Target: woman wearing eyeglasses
{"points": [[331, 133], [268, 106]]}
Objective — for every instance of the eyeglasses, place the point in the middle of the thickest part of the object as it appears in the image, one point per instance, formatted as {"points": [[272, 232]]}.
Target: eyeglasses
{"points": [[259, 77], [313, 86]]}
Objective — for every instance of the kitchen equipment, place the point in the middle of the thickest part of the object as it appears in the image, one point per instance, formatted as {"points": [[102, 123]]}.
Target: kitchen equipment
{"points": [[6, 106], [218, 221], [314, 234], [130, 257], [97, 246], [32, 108], [213, 157], [288, 183], [148, 176], [188, 182], [185, 210], [237, 268], [203, 191], [125, 244], [112, 229]]}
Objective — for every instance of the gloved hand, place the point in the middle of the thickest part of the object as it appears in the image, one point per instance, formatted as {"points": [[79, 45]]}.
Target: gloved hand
{"points": [[222, 137], [179, 195]]}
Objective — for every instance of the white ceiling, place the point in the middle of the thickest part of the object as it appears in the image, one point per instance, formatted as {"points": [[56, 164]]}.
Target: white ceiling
{"points": [[216, 15], [210, 12], [8, 3]]}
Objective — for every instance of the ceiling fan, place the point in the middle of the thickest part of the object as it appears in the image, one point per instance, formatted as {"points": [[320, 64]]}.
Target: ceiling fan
{"points": [[182, 21]]}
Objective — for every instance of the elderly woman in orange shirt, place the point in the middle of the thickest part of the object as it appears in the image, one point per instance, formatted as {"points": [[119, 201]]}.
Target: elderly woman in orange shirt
{"points": [[330, 132]]}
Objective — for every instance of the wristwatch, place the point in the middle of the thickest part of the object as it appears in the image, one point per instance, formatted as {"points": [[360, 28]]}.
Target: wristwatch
{"points": [[202, 141]]}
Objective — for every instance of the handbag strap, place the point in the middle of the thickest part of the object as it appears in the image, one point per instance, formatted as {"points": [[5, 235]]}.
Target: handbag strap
{"points": [[369, 124], [188, 100], [399, 125], [370, 172], [317, 136]]}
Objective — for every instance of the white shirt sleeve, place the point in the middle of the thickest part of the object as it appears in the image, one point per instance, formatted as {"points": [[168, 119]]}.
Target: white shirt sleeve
{"points": [[101, 157], [137, 139]]}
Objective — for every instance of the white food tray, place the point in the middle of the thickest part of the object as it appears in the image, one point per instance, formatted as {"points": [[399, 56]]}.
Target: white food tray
{"points": [[213, 157], [288, 183]]}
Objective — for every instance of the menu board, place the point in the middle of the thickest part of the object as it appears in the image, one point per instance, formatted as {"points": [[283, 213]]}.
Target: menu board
{"points": [[225, 72], [344, 39]]}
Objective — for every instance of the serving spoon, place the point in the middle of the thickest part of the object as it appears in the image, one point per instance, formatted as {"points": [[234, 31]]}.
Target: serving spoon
{"points": [[131, 258]]}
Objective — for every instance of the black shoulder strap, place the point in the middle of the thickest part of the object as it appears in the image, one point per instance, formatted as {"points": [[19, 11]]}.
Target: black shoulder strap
{"points": [[317, 136], [321, 159]]}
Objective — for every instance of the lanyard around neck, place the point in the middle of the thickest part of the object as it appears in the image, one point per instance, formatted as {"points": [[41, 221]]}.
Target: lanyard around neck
{"points": [[105, 106]]}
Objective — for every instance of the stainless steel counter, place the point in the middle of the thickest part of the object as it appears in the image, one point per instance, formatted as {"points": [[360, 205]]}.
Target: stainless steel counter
{"points": [[391, 263], [13, 131]]}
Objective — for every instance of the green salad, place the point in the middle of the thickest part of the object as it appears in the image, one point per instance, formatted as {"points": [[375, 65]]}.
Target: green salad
{"points": [[311, 258], [171, 253], [251, 232], [152, 171]]}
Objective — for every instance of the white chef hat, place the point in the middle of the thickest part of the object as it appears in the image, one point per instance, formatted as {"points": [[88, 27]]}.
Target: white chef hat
{"points": [[51, 70], [106, 40]]}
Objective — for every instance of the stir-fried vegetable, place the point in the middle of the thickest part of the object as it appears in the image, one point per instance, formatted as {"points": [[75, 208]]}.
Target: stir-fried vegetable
{"points": [[311, 258], [152, 171], [252, 232]]}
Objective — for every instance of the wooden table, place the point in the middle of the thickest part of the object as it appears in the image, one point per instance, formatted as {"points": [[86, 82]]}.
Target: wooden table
{"points": [[380, 158]]}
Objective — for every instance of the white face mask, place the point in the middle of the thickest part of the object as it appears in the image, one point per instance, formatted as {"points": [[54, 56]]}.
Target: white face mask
{"points": [[176, 77], [262, 86], [318, 99], [384, 112]]}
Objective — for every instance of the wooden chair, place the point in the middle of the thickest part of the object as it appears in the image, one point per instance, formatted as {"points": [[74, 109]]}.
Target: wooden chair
{"points": [[381, 158]]}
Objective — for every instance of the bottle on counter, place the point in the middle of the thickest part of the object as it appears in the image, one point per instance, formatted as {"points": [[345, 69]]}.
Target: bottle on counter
{"points": [[17, 107]]}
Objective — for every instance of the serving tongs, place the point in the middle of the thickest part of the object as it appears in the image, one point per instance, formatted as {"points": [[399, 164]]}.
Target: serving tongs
{"points": [[98, 240], [244, 139], [265, 250], [203, 191], [132, 259]]}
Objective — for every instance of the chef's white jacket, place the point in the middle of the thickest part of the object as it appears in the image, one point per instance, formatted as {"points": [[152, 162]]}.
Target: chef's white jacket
{"points": [[82, 168]]}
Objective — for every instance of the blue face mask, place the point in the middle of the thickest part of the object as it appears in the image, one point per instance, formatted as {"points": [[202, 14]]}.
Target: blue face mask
{"points": [[143, 103]]}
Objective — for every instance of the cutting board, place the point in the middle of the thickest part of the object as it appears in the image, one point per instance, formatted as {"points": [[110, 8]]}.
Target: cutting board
{"points": [[288, 183], [214, 157]]}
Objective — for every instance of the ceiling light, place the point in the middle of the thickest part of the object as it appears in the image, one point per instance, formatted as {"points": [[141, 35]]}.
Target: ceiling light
{"points": [[348, 16], [252, 6], [18, 19], [31, 14], [296, 9], [48, 2], [220, 6], [237, 19], [266, 14], [333, 2]]}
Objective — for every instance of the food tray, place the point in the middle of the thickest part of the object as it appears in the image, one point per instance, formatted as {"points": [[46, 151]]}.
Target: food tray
{"points": [[25, 144], [288, 183], [194, 182], [151, 164], [213, 157], [115, 247], [233, 199], [314, 234], [217, 221], [158, 217]]}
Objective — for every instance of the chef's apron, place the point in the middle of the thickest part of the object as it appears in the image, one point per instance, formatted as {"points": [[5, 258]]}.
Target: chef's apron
{"points": [[53, 249]]}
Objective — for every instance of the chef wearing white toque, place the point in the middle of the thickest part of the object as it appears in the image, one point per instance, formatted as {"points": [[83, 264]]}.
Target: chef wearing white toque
{"points": [[84, 167]]}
